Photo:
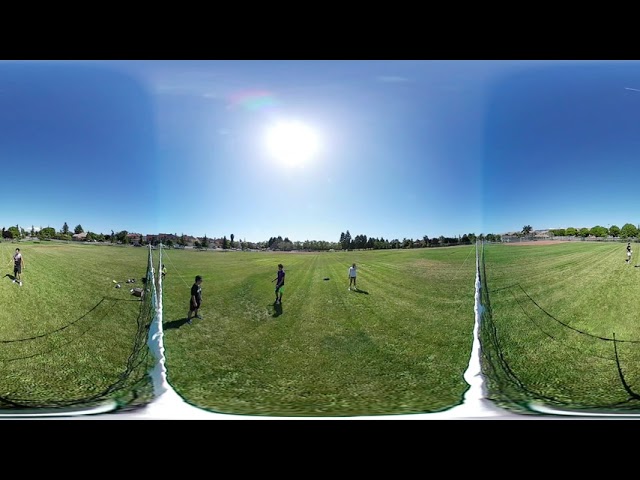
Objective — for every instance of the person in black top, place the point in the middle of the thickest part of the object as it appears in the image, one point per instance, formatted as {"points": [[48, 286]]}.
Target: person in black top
{"points": [[196, 299], [279, 283], [18, 265], [629, 252]]}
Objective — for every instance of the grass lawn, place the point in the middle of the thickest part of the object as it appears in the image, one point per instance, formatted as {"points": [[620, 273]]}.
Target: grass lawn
{"points": [[553, 312], [67, 336], [399, 345]]}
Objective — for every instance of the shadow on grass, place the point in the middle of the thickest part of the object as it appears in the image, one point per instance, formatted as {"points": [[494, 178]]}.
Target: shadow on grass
{"points": [[357, 290], [174, 323], [277, 307], [132, 381], [11, 277]]}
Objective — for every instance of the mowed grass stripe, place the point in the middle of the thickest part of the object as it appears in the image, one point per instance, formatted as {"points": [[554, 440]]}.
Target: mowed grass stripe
{"points": [[559, 365], [77, 332], [330, 351]]}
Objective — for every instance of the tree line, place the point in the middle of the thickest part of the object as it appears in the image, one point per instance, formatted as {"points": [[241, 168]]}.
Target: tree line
{"points": [[628, 230], [345, 242]]}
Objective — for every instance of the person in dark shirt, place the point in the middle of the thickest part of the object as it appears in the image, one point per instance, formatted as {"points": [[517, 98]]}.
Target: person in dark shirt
{"points": [[18, 265], [196, 299], [629, 252], [279, 283]]}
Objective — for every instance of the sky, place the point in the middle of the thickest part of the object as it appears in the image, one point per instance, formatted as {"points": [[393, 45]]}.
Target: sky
{"points": [[401, 149]]}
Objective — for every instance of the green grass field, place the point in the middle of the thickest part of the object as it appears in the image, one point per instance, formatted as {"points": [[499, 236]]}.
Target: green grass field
{"points": [[68, 338], [553, 314], [398, 346]]}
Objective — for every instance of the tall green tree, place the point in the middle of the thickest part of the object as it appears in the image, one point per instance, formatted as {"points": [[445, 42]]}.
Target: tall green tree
{"points": [[628, 230], [614, 231], [78, 229], [65, 228], [526, 230], [48, 232], [232, 236], [599, 231]]}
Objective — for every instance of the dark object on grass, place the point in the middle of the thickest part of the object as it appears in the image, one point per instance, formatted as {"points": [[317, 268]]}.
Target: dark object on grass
{"points": [[138, 292], [326, 278]]}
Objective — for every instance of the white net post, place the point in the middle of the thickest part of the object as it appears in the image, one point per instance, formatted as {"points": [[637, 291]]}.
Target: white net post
{"points": [[156, 345]]}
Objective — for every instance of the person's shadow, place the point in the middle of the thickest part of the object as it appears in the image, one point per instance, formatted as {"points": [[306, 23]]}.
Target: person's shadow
{"points": [[11, 277], [357, 290], [174, 323], [277, 310]]}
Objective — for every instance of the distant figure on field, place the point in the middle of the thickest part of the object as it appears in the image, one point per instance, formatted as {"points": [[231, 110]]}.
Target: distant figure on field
{"points": [[196, 299], [18, 265], [629, 252], [164, 271], [352, 276], [279, 283]]}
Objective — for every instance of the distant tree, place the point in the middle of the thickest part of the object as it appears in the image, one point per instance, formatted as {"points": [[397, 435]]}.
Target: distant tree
{"points": [[346, 241], [22, 232], [122, 236], [465, 239], [614, 231], [599, 231], [78, 229], [196, 244], [526, 230], [225, 242], [89, 237], [33, 231], [15, 233], [48, 232], [65, 228], [628, 230], [205, 241], [169, 243], [584, 232], [232, 236], [571, 232]]}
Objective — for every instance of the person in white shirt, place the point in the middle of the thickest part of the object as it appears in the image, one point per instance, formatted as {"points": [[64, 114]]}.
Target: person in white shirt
{"points": [[352, 277]]}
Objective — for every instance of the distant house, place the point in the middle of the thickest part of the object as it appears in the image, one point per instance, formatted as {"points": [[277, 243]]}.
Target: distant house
{"points": [[79, 237], [541, 234], [510, 237], [134, 237]]}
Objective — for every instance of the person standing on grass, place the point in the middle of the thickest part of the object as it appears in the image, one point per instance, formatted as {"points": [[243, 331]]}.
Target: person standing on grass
{"points": [[629, 252], [18, 265], [352, 277], [196, 299], [279, 283], [164, 271]]}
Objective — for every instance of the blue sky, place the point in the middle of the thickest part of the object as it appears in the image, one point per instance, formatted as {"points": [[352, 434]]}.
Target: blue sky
{"points": [[406, 148]]}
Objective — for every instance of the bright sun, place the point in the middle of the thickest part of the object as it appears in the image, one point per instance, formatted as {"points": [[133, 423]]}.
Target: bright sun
{"points": [[292, 143]]}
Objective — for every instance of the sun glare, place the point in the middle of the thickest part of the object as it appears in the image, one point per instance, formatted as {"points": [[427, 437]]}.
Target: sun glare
{"points": [[292, 143]]}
